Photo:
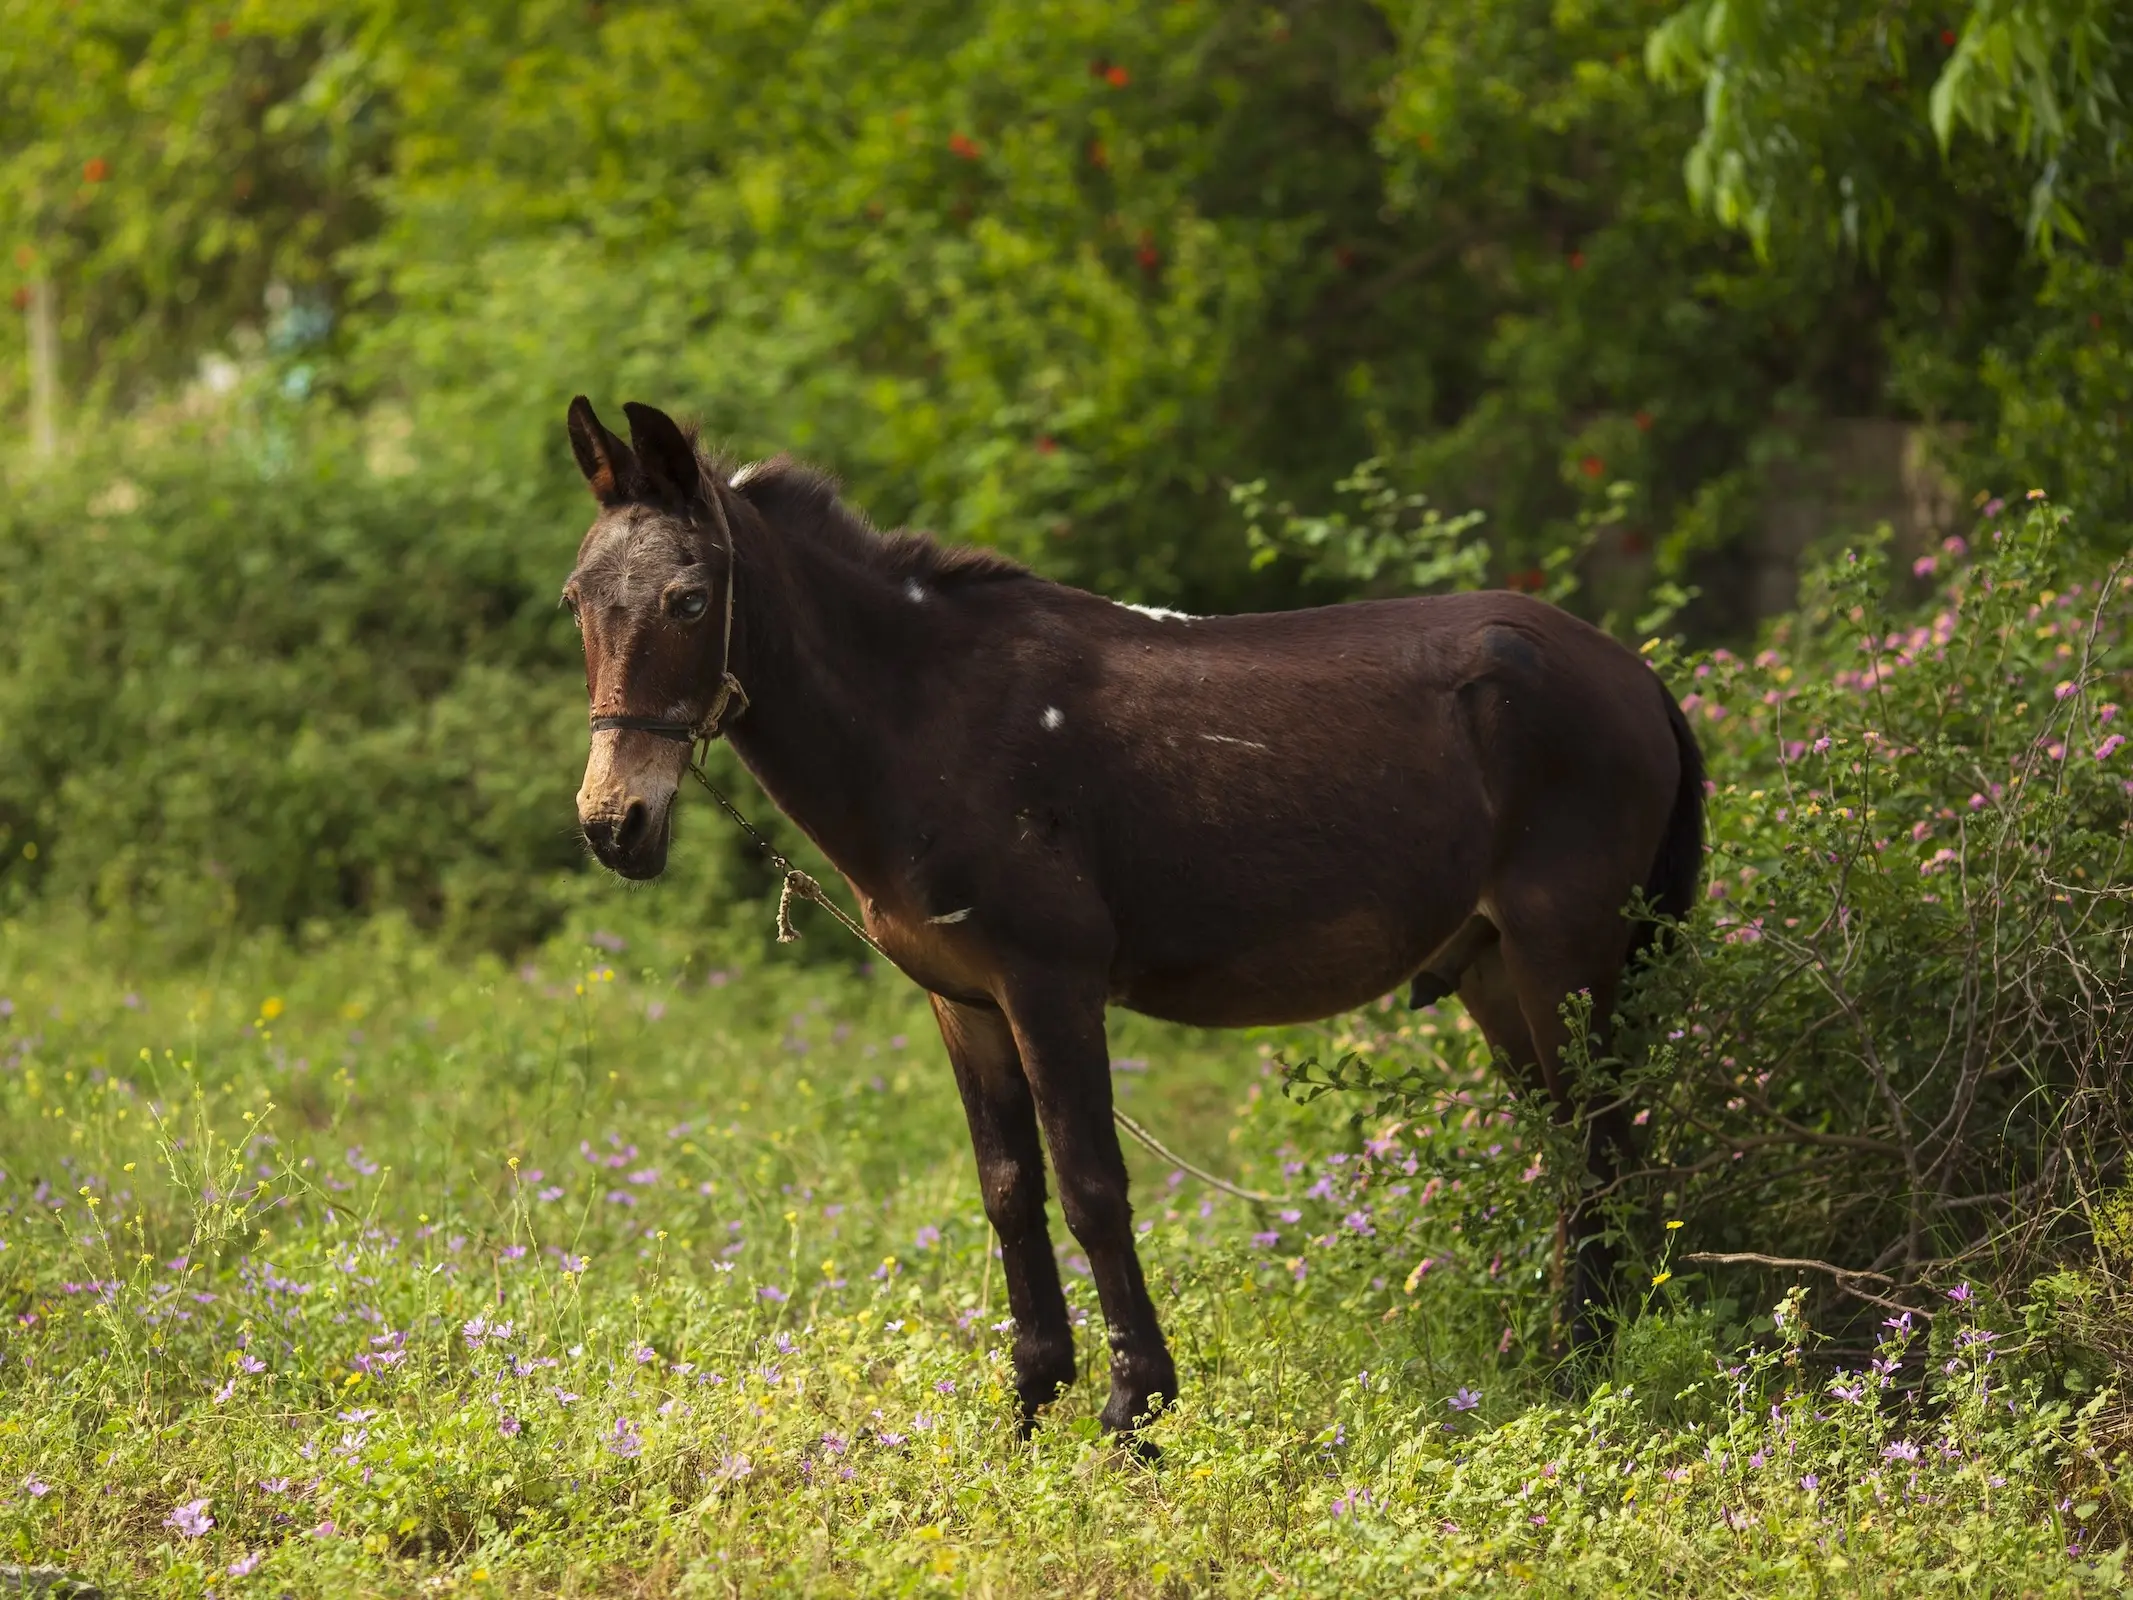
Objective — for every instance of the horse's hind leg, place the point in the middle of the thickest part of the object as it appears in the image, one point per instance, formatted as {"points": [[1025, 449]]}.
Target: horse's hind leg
{"points": [[1440, 974], [1547, 958], [1003, 1128]]}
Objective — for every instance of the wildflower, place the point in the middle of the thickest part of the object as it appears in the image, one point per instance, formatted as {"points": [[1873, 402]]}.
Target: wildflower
{"points": [[244, 1565], [646, 1354], [1266, 1240], [1660, 1277], [773, 1294], [1355, 1500], [190, 1519], [508, 1426], [1465, 1400], [250, 1364], [945, 1386], [475, 1330], [624, 1439], [731, 1469], [893, 1441], [2110, 747], [274, 1485], [1851, 1393], [1359, 1222], [1901, 1450], [35, 1487], [1960, 1294], [1810, 1483]]}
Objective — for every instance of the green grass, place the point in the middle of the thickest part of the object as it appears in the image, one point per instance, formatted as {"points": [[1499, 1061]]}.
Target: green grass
{"points": [[251, 1211]]}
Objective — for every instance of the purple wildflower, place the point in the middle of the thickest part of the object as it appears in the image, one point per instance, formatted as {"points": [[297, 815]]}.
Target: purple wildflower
{"points": [[625, 1440], [1465, 1400], [190, 1519]]}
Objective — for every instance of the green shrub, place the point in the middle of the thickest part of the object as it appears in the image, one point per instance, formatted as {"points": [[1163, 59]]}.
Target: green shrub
{"points": [[1896, 1042]]}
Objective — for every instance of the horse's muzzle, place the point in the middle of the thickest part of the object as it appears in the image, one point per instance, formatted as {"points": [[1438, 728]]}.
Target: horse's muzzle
{"points": [[632, 842]]}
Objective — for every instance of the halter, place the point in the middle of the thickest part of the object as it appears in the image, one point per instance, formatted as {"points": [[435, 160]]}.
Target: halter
{"points": [[711, 724]]}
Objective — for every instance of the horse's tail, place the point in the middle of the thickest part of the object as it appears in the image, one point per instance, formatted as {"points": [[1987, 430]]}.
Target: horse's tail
{"points": [[1670, 890]]}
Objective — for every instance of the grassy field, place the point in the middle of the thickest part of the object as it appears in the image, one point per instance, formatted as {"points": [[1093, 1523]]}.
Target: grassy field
{"points": [[361, 1270]]}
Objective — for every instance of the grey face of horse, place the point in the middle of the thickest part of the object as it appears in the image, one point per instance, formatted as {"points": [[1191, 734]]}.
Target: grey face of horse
{"points": [[647, 594]]}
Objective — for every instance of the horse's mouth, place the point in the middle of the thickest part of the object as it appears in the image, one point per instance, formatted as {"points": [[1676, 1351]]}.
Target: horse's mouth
{"points": [[633, 845]]}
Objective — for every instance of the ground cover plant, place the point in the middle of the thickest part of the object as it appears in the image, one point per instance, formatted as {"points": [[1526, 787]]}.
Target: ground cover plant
{"points": [[364, 1271]]}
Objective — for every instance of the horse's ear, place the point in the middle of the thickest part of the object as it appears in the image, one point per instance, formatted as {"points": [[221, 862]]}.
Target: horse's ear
{"points": [[669, 459], [605, 460]]}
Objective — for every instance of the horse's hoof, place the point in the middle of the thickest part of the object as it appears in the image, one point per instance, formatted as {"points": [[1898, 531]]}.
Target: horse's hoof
{"points": [[1428, 988]]}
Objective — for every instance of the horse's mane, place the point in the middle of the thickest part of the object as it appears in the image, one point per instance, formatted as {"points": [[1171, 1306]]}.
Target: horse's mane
{"points": [[804, 499]]}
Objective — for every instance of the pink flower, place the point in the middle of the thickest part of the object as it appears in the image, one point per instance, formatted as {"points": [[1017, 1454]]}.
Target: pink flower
{"points": [[1923, 566], [2109, 747]]}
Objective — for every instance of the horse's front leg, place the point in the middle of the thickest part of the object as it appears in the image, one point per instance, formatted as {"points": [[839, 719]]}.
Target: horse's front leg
{"points": [[1059, 1032], [1003, 1129]]}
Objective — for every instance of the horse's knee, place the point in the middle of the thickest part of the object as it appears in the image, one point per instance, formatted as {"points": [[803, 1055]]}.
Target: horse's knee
{"points": [[1014, 1195], [1097, 1209]]}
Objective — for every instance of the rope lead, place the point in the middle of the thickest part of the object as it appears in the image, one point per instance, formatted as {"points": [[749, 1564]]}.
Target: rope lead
{"points": [[800, 885]]}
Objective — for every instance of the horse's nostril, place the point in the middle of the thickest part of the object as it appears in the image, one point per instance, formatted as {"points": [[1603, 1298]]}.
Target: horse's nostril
{"points": [[636, 822]]}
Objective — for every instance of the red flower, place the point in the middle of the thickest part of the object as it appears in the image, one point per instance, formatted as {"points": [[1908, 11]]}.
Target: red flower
{"points": [[1947, 37], [1644, 422], [1592, 466], [965, 146], [1046, 445], [1577, 261], [1149, 257], [95, 170], [1117, 77]]}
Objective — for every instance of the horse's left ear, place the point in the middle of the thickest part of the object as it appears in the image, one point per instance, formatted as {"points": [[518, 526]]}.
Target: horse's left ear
{"points": [[664, 451]]}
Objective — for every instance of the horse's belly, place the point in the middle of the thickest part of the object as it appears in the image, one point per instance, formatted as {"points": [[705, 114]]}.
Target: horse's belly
{"points": [[1307, 973]]}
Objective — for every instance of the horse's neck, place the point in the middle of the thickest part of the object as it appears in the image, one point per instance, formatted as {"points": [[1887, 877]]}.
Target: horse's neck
{"points": [[814, 634]]}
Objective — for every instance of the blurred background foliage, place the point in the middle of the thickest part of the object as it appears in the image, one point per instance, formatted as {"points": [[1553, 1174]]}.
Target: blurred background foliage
{"points": [[1667, 295]]}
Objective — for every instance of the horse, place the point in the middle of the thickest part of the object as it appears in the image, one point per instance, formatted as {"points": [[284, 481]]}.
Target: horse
{"points": [[1046, 803]]}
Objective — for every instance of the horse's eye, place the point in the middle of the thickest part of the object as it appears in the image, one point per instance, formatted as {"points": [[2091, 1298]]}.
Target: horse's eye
{"points": [[688, 605]]}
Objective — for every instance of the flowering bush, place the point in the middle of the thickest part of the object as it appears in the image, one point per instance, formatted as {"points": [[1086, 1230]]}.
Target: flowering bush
{"points": [[1896, 1037]]}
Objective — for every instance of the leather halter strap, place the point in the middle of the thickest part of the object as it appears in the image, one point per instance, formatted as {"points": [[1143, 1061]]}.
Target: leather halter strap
{"points": [[731, 699]]}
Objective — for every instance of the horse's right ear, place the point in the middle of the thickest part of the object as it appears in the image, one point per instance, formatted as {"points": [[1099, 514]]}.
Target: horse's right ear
{"points": [[605, 460]]}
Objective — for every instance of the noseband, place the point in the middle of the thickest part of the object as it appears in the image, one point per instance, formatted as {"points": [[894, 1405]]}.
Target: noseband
{"points": [[731, 698]]}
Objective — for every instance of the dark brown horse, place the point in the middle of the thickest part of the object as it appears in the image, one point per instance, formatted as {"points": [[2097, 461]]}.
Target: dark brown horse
{"points": [[1047, 803]]}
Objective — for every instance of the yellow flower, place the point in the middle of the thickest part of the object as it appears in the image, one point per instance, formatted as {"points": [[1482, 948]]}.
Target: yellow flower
{"points": [[271, 1007], [1660, 1277], [1673, 1225]]}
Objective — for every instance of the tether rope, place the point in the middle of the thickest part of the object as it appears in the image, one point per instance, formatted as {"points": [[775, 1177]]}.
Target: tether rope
{"points": [[801, 885]]}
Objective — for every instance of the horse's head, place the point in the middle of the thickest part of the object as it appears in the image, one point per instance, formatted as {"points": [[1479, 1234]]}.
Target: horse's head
{"points": [[650, 596]]}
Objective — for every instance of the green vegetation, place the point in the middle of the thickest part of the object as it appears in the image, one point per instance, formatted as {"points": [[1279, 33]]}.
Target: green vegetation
{"points": [[359, 1270], [388, 1204]]}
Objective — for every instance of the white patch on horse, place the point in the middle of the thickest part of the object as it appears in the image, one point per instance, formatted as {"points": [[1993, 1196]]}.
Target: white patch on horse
{"points": [[744, 474], [1160, 613], [1053, 719], [949, 916], [1223, 738], [914, 591]]}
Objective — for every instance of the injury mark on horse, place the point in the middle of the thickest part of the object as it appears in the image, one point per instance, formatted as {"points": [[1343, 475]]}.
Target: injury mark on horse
{"points": [[1053, 719], [949, 916], [1223, 738]]}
